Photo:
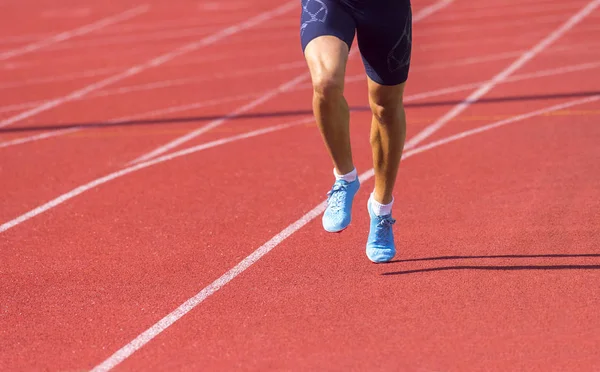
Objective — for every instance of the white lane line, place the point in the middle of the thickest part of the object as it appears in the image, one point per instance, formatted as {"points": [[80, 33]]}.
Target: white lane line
{"points": [[195, 61], [511, 79], [19, 106], [37, 137], [197, 79], [431, 9], [153, 31], [73, 33], [56, 78], [509, 7], [194, 301], [500, 123], [218, 122], [129, 29], [521, 11], [504, 74], [140, 116], [145, 115], [488, 26], [23, 38], [81, 189], [523, 39], [186, 107], [165, 36], [407, 99], [425, 12], [157, 61]]}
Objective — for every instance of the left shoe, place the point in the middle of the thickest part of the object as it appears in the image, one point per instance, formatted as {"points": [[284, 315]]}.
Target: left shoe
{"points": [[380, 243]]}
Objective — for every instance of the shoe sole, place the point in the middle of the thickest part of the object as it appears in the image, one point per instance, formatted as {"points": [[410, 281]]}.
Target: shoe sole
{"points": [[335, 231]]}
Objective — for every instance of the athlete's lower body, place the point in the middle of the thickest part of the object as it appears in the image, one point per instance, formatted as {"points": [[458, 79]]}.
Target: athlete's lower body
{"points": [[383, 29]]}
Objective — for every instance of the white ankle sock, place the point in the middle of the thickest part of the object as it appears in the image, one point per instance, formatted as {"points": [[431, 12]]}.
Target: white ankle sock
{"points": [[381, 209], [350, 177]]}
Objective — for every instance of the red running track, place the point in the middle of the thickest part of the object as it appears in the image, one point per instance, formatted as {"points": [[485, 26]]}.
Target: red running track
{"points": [[497, 231]]}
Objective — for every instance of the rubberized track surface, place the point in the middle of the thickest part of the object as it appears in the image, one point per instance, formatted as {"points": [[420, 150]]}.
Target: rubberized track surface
{"points": [[214, 257]]}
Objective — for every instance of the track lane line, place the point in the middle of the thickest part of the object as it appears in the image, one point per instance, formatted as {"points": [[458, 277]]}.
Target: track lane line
{"points": [[511, 79], [152, 37], [120, 173], [218, 122], [37, 137], [536, 11], [154, 62], [74, 76], [285, 66], [126, 15], [251, 259], [504, 74]]}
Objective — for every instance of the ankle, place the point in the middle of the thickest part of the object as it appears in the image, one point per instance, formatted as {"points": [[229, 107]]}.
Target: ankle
{"points": [[350, 176], [382, 198], [379, 208]]}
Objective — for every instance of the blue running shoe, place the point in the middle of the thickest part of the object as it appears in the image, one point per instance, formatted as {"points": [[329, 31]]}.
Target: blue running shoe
{"points": [[338, 214], [380, 244]]}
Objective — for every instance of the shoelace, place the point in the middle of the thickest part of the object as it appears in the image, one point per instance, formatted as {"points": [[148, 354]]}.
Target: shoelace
{"points": [[386, 221], [334, 196]]}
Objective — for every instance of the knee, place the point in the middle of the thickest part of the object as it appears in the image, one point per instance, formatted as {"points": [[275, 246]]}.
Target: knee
{"points": [[388, 113], [328, 86]]}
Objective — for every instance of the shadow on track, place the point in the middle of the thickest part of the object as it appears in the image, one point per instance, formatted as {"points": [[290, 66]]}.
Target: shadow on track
{"points": [[191, 119], [494, 267]]}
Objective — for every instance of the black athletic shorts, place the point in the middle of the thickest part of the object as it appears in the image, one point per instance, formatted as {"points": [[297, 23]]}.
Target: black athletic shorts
{"points": [[383, 31]]}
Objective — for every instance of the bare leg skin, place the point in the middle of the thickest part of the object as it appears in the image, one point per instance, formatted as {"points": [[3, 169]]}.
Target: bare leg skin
{"points": [[388, 133], [326, 57]]}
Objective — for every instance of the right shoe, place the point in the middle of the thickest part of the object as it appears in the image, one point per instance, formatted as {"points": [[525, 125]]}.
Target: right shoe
{"points": [[380, 243]]}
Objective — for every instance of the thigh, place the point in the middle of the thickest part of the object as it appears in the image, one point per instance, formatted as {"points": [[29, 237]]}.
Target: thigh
{"points": [[325, 18], [384, 34], [327, 57]]}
